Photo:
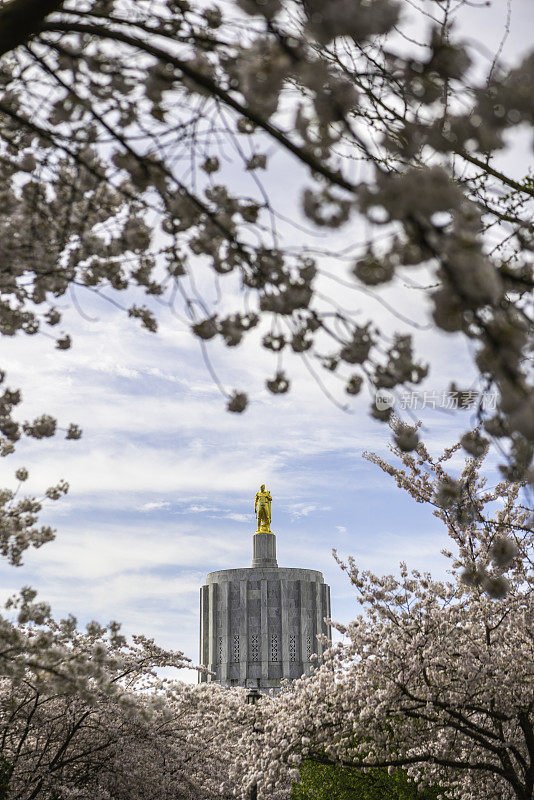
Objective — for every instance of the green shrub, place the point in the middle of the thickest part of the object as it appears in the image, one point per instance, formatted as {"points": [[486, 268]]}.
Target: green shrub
{"points": [[333, 782]]}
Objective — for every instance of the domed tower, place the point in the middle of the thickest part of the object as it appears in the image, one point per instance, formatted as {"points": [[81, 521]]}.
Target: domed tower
{"points": [[259, 624]]}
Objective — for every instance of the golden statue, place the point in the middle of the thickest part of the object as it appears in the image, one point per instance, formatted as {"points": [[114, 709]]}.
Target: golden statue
{"points": [[262, 509]]}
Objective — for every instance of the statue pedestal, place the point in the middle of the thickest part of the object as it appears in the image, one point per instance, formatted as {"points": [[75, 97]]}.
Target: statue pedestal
{"points": [[264, 550]]}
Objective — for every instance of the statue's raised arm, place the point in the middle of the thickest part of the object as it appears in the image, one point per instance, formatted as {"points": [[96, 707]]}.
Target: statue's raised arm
{"points": [[262, 509]]}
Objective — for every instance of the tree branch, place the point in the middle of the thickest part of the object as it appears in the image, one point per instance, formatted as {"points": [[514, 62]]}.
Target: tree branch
{"points": [[207, 83]]}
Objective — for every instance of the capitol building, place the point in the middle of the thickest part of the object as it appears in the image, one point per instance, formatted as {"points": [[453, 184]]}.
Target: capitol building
{"points": [[259, 624]]}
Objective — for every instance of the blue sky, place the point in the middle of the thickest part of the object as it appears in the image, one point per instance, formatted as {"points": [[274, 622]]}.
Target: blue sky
{"points": [[163, 480]]}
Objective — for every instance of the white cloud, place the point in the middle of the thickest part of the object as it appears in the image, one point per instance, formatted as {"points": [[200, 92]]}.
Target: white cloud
{"points": [[154, 506], [238, 517], [298, 510], [100, 551]]}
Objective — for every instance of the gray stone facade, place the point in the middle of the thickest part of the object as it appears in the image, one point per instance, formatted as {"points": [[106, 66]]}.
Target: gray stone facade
{"points": [[260, 624]]}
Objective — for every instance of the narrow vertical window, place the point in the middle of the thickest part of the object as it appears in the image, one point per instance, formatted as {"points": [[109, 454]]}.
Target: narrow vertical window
{"points": [[255, 647]]}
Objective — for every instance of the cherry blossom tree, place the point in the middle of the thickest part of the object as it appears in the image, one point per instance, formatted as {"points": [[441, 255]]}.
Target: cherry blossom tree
{"points": [[121, 734], [491, 529], [435, 677], [127, 131], [86, 714]]}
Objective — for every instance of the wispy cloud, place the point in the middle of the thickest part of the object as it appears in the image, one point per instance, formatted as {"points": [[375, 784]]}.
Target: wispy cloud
{"points": [[298, 510], [238, 517], [154, 506]]}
